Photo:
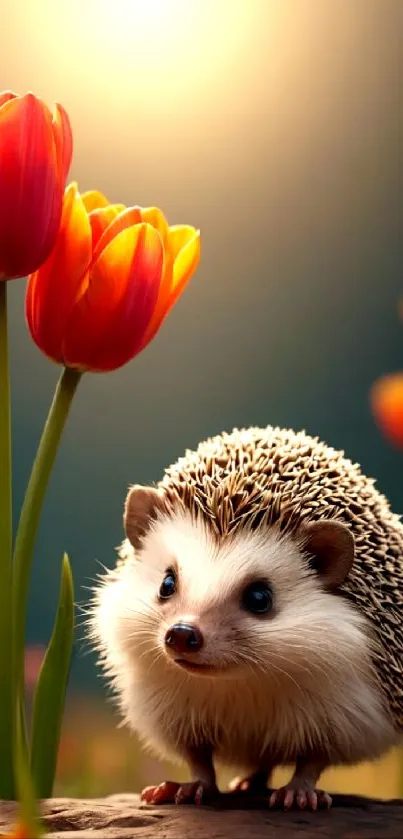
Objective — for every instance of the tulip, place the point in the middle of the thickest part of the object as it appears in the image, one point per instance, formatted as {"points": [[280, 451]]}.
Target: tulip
{"points": [[110, 281], [35, 156], [111, 278], [387, 407]]}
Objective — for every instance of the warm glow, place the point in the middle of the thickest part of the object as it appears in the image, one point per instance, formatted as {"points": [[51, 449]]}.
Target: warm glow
{"points": [[145, 47], [177, 27], [154, 19]]}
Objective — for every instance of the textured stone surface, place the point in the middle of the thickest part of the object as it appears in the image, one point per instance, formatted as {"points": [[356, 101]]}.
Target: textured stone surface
{"points": [[123, 817]]}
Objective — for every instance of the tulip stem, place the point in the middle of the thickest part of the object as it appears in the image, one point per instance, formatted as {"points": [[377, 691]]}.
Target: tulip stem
{"points": [[6, 681], [30, 515]]}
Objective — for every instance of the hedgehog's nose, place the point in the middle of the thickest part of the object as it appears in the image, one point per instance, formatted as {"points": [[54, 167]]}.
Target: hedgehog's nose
{"points": [[184, 638]]}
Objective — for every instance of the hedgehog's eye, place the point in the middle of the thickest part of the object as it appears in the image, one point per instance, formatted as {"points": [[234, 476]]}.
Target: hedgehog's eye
{"points": [[258, 598], [168, 585]]}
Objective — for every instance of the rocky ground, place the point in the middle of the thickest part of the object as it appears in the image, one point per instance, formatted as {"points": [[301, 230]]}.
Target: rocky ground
{"points": [[124, 817]]}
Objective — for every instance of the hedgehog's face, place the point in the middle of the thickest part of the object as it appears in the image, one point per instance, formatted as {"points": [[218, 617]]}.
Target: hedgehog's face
{"points": [[249, 603]]}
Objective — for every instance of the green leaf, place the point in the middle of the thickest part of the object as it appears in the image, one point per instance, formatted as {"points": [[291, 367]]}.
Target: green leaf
{"points": [[28, 821], [51, 690]]}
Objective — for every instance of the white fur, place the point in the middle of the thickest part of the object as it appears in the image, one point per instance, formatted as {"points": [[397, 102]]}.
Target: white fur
{"points": [[295, 681]]}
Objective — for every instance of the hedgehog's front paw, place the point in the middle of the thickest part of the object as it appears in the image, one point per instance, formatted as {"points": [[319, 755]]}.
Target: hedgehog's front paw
{"points": [[170, 792], [301, 794]]}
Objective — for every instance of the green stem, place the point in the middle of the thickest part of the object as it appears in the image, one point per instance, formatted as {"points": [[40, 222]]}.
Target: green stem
{"points": [[30, 515], [6, 682]]}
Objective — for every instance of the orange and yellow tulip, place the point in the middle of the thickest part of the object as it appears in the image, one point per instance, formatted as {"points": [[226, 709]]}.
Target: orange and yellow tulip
{"points": [[387, 407], [111, 279], [35, 156]]}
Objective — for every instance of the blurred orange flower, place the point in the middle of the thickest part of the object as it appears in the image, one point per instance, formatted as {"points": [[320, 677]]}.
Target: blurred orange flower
{"points": [[21, 831], [33, 662], [35, 156], [387, 406], [111, 279], [69, 755]]}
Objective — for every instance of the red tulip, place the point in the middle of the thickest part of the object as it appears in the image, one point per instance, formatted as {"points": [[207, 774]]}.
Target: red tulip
{"points": [[35, 156], [387, 407], [111, 279]]}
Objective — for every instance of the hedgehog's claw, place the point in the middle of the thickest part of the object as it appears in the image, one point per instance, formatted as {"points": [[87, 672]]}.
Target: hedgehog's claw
{"points": [[301, 795], [171, 792], [191, 793], [161, 794]]}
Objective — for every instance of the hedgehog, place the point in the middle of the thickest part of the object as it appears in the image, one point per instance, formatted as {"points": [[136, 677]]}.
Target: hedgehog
{"points": [[254, 617]]}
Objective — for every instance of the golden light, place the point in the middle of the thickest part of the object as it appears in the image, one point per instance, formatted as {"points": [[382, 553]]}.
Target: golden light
{"points": [[144, 47], [163, 38], [150, 19]]}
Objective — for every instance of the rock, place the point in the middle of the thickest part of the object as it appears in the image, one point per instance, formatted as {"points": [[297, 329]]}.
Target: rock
{"points": [[124, 817]]}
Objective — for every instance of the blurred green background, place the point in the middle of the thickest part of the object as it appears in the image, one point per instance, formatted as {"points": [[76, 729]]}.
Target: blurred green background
{"points": [[276, 127]]}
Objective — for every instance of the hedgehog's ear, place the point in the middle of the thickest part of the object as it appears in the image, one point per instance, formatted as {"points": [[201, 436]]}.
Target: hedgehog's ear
{"points": [[142, 506], [330, 545]]}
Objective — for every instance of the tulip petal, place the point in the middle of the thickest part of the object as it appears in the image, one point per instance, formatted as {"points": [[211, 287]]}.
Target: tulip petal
{"points": [[179, 236], [101, 219], [186, 262], [128, 218], [63, 137], [106, 327], [94, 200], [30, 191], [387, 406], [53, 290], [155, 216], [184, 266], [6, 95]]}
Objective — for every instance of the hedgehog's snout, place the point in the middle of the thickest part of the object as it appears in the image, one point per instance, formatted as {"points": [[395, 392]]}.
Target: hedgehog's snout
{"points": [[184, 638]]}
